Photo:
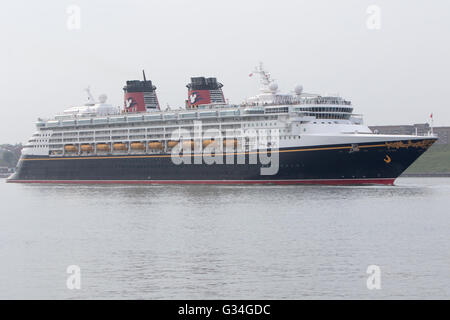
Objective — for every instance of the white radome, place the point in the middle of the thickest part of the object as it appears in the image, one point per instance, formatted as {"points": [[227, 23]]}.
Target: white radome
{"points": [[273, 87], [298, 89], [102, 98]]}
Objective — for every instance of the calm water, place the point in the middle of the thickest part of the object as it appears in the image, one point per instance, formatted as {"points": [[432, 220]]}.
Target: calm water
{"points": [[268, 242]]}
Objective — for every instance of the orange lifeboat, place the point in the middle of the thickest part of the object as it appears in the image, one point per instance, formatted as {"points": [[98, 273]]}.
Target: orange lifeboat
{"points": [[172, 144], [155, 145], [70, 148], [230, 142], [137, 146], [188, 144], [102, 147], [119, 146], [207, 142], [86, 148]]}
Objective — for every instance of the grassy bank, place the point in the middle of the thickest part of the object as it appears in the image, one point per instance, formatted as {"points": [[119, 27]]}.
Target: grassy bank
{"points": [[435, 160]]}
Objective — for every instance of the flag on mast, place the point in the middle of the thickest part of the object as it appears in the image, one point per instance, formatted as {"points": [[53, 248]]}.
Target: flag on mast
{"points": [[432, 122]]}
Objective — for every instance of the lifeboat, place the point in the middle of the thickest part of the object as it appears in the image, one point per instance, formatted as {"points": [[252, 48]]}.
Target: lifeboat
{"points": [[86, 148], [172, 144], [119, 146], [230, 142], [70, 148], [137, 146], [155, 145], [102, 147], [188, 144], [207, 142]]}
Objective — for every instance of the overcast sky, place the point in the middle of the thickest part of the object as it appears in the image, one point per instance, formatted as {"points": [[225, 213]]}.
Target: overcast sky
{"points": [[397, 74]]}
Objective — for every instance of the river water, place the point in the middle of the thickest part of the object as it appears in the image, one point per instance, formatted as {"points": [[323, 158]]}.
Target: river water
{"points": [[226, 242]]}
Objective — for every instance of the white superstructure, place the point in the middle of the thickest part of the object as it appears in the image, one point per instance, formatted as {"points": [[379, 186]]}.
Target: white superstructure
{"points": [[299, 119]]}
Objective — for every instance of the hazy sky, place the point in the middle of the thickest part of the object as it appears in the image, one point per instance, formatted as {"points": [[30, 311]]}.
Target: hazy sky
{"points": [[397, 74]]}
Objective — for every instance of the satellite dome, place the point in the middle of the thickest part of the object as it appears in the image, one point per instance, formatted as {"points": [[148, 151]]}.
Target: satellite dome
{"points": [[102, 98], [273, 87], [298, 89]]}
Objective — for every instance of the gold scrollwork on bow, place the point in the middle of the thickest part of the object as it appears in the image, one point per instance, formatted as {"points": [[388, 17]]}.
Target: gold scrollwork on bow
{"points": [[424, 144]]}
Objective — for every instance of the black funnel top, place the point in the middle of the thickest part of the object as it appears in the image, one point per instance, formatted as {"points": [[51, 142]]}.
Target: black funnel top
{"points": [[139, 86], [202, 83]]}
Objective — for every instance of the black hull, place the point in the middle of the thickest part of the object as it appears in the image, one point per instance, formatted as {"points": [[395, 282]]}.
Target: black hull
{"points": [[378, 163]]}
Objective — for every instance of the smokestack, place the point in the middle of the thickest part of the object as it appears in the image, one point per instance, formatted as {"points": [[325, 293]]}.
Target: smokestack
{"points": [[140, 96], [203, 90]]}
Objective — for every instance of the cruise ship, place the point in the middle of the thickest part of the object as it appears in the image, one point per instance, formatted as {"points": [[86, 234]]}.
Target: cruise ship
{"points": [[272, 137]]}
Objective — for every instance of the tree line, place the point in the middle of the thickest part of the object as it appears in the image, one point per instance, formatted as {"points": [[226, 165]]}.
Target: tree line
{"points": [[10, 154]]}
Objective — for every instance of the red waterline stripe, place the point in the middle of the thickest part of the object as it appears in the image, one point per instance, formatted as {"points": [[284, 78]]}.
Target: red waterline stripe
{"points": [[384, 181]]}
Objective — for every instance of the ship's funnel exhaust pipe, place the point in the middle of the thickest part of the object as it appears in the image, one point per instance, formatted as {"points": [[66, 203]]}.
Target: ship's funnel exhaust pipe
{"points": [[140, 96], [203, 90]]}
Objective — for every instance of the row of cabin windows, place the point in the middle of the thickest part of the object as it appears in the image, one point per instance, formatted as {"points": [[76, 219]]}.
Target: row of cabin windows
{"points": [[323, 122], [281, 137], [329, 116], [254, 124], [131, 131], [326, 109], [160, 123], [245, 125], [261, 124]]}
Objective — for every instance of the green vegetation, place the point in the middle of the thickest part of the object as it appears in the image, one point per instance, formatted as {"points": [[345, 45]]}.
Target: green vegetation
{"points": [[434, 160], [9, 155]]}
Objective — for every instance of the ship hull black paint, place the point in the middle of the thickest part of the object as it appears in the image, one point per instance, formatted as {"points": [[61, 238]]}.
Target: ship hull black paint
{"points": [[372, 163]]}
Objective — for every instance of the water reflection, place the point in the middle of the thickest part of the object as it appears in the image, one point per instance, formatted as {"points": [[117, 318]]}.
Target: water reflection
{"points": [[152, 241]]}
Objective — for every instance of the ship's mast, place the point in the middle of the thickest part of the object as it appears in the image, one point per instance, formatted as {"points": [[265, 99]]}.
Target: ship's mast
{"points": [[91, 99], [265, 79], [143, 74]]}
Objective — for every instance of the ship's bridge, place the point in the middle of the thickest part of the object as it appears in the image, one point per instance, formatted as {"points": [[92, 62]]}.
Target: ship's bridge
{"points": [[330, 107], [306, 104]]}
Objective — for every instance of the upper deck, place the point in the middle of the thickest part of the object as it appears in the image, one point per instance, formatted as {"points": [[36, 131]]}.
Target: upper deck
{"points": [[307, 111]]}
